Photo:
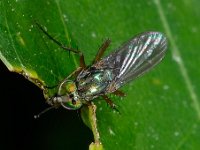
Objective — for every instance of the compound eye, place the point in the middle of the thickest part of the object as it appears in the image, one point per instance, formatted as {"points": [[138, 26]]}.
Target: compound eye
{"points": [[71, 104], [69, 97], [66, 87]]}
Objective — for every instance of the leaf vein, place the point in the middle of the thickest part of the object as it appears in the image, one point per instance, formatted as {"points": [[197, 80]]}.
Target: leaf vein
{"points": [[66, 30], [177, 57], [12, 43]]}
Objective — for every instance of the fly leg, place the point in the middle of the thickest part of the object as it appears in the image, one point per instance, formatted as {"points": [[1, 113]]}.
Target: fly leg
{"points": [[82, 60], [74, 73], [54, 40], [110, 103], [101, 50], [119, 93]]}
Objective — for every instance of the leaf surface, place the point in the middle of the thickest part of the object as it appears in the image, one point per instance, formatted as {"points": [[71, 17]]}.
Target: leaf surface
{"points": [[161, 109]]}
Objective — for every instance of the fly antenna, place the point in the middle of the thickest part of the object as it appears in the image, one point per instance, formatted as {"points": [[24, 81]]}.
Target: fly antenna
{"points": [[42, 112]]}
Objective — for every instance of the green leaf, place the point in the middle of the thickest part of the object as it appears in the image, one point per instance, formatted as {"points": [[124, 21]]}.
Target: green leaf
{"points": [[161, 109]]}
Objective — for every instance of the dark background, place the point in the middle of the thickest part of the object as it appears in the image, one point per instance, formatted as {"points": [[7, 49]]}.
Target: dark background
{"points": [[58, 129]]}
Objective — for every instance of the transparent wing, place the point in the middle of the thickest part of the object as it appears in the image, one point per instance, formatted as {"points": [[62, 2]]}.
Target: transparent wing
{"points": [[134, 58]]}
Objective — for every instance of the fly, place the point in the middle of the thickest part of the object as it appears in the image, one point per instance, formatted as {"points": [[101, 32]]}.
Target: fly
{"points": [[106, 75]]}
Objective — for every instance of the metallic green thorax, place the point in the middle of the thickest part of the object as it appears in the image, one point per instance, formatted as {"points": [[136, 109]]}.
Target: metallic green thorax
{"points": [[93, 83]]}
